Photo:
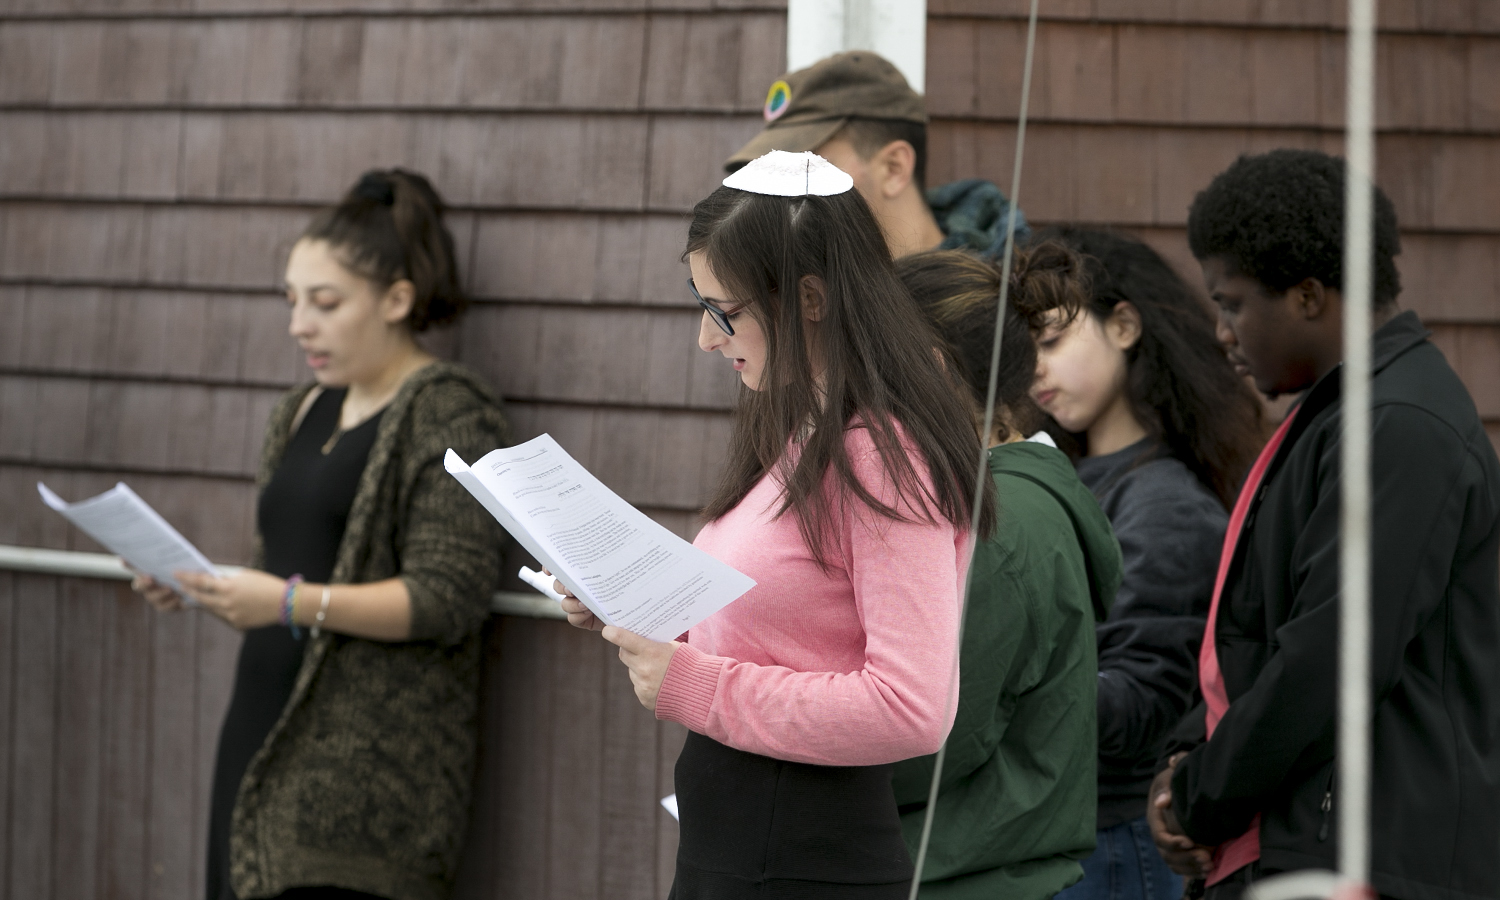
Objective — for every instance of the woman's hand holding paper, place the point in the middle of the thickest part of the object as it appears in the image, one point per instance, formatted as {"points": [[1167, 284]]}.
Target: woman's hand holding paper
{"points": [[246, 599], [578, 614], [646, 659], [163, 598]]}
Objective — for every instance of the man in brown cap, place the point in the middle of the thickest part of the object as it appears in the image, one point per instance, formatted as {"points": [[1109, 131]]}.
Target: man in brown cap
{"points": [[856, 110]]}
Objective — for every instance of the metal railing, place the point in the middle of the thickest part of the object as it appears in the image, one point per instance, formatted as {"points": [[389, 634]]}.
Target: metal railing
{"points": [[73, 564]]}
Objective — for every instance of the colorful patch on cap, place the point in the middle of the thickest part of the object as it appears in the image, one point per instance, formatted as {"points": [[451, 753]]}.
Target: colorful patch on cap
{"points": [[779, 98]]}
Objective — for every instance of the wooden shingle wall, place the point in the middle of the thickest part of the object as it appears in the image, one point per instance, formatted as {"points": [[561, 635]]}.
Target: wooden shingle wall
{"points": [[158, 156]]}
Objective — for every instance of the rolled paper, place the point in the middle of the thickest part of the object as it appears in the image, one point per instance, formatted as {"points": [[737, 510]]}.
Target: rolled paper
{"points": [[539, 581]]}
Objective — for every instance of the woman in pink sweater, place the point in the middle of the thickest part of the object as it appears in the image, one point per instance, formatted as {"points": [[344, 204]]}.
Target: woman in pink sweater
{"points": [[847, 497]]}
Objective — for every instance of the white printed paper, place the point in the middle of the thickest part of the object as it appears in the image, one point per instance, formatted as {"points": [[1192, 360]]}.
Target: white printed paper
{"points": [[127, 526], [627, 569], [669, 803]]}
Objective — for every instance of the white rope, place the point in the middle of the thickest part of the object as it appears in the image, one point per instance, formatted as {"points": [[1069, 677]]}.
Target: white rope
{"points": [[1354, 533], [984, 439]]}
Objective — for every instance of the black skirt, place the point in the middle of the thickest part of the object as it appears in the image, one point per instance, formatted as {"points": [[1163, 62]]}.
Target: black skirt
{"points": [[758, 827]]}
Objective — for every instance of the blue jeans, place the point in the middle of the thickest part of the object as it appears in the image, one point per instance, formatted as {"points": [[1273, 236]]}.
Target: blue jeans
{"points": [[1125, 866]]}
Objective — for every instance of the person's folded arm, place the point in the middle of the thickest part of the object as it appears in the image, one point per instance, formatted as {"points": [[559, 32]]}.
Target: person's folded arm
{"points": [[1148, 671], [1282, 727], [1186, 734], [1171, 535]]}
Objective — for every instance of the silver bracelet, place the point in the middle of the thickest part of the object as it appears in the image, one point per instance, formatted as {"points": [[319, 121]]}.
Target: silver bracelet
{"points": [[317, 626]]}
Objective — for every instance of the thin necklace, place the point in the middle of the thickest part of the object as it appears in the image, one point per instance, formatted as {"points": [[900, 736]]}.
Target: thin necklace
{"points": [[332, 440], [338, 432]]}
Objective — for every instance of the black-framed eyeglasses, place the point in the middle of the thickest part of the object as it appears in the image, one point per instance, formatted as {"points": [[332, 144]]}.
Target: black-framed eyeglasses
{"points": [[720, 317]]}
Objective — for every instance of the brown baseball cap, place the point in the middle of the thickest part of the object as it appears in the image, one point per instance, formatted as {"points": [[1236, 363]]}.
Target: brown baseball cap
{"points": [[805, 108]]}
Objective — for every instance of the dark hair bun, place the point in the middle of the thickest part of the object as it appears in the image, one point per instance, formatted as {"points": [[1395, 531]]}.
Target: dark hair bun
{"points": [[390, 227], [376, 185]]}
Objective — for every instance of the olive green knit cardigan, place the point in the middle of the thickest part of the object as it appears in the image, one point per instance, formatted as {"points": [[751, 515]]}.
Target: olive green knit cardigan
{"points": [[364, 783]]}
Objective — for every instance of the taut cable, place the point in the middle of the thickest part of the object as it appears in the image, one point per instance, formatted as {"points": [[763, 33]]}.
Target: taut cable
{"points": [[984, 437]]}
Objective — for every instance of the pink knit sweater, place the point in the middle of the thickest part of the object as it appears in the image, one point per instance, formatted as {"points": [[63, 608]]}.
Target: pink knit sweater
{"points": [[844, 668]]}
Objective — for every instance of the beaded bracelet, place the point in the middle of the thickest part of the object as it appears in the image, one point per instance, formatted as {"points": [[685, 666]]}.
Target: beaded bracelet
{"points": [[289, 606]]}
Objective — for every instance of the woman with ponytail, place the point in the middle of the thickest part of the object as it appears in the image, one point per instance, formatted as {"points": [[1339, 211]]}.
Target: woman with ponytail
{"points": [[346, 756]]}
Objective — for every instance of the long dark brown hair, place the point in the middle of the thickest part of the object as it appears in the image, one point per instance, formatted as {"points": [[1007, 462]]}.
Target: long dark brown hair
{"points": [[876, 358], [389, 227], [960, 292], [1181, 386]]}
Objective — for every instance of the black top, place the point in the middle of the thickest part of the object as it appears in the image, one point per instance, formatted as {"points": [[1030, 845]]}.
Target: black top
{"points": [[300, 520], [1171, 530], [755, 828], [1435, 627]]}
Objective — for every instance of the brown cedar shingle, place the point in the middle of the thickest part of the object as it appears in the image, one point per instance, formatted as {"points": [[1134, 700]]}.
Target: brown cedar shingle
{"points": [[26, 50], [1286, 69], [328, 69], [14, 340], [687, 156], [135, 61], [1074, 73], [712, 62], [18, 418], [1474, 351], [76, 62], [952, 64], [1484, 75], [1424, 82], [1451, 277], [1150, 86], [62, 433]]}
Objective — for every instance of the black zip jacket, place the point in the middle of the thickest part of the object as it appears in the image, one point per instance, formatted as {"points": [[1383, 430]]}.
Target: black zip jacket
{"points": [[1435, 650]]}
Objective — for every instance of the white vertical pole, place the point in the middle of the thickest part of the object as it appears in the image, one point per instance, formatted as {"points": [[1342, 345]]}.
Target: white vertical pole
{"points": [[1353, 797], [814, 29], [896, 29]]}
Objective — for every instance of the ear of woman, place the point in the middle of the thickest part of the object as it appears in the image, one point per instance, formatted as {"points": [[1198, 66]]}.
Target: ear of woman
{"points": [[1124, 325], [397, 302], [814, 297]]}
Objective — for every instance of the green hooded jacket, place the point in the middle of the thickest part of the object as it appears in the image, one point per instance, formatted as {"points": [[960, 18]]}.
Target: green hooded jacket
{"points": [[1016, 807]]}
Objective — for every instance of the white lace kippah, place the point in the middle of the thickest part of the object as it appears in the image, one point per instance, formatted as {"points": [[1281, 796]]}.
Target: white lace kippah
{"points": [[783, 174]]}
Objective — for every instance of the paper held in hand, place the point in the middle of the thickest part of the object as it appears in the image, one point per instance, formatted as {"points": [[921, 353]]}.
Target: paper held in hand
{"points": [[627, 569], [127, 526]]}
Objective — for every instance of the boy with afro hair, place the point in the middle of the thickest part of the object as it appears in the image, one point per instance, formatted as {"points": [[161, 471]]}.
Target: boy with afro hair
{"points": [[1249, 788]]}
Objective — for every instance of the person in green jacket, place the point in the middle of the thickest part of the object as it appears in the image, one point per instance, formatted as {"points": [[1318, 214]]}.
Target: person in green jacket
{"points": [[1016, 803]]}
